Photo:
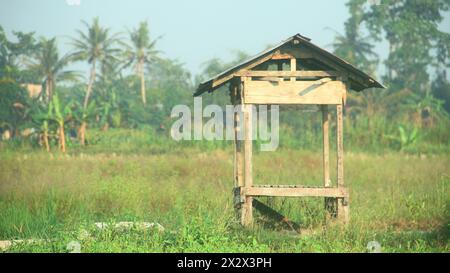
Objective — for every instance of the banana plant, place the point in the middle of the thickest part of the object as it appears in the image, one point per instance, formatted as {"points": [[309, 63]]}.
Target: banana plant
{"points": [[60, 114], [41, 116], [404, 138], [82, 116], [109, 106]]}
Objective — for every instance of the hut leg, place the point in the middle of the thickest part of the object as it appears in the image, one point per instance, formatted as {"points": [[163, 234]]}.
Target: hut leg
{"points": [[342, 203], [238, 156], [330, 203], [238, 153], [238, 166], [247, 208]]}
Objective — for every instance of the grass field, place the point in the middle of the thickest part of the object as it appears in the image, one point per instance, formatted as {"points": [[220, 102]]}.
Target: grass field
{"points": [[400, 200]]}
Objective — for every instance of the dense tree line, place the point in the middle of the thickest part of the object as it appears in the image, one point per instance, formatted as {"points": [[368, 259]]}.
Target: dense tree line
{"points": [[112, 96], [132, 85]]}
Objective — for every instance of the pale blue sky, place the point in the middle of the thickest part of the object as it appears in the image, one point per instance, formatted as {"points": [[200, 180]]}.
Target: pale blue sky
{"points": [[194, 31]]}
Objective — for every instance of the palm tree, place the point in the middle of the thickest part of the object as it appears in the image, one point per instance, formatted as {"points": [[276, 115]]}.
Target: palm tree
{"points": [[109, 82], [141, 52], [355, 48], [50, 67], [97, 45]]}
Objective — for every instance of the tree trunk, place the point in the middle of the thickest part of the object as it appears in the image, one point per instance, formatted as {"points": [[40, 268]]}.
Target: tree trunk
{"points": [[105, 127], [50, 89], [141, 72], [82, 133], [45, 139], [82, 129], [62, 138], [47, 89], [89, 87]]}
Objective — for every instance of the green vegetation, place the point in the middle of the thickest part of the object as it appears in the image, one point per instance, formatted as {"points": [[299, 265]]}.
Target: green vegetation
{"points": [[85, 150], [404, 206]]}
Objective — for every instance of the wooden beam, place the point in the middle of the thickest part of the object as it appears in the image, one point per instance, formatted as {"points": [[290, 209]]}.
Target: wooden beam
{"points": [[297, 74], [247, 209], [326, 146], [293, 68], [296, 192], [293, 52], [218, 82], [339, 146], [298, 92], [238, 154], [282, 56], [343, 208]]}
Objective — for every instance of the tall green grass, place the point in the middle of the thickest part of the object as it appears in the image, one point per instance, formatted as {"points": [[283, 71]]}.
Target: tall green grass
{"points": [[400, 200]]}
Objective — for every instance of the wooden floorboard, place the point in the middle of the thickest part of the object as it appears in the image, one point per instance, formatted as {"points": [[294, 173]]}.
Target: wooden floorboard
{"points": [[296, 191]]}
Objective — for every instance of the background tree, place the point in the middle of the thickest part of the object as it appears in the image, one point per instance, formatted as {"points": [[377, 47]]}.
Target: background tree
{"points": [[12, 55], [415, 42], [140, 53], [110, 87], [353, 46], [213, 67], [97, 45], [13, 101], [48, 65]]}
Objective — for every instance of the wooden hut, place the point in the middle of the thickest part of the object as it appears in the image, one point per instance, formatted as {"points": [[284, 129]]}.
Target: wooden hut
{"points": [[314, 77]]}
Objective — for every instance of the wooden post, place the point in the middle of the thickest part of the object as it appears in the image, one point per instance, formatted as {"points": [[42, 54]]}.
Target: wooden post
{"points": [[293, 67], [339, 146], [326, 157], [238, 155], [247, 209], [235, 91], [342, 203], [326, 146], [330, 202]]}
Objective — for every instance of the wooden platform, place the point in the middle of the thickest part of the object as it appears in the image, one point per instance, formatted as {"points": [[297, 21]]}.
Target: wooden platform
{"points": [[294, 191]]}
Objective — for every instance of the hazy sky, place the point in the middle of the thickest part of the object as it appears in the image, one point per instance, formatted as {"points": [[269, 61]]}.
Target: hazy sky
{"points": [[194, 31]]}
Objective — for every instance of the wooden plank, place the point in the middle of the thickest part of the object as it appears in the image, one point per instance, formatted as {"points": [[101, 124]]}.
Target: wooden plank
{"points": [[339, 146], [298, 74], [295, 52], [293, 68], [218, 82], [238, 154], [296, 192], [299, 92], [248, 144], [247, 210], [284, 186], [326, 146], [282, 56]]}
